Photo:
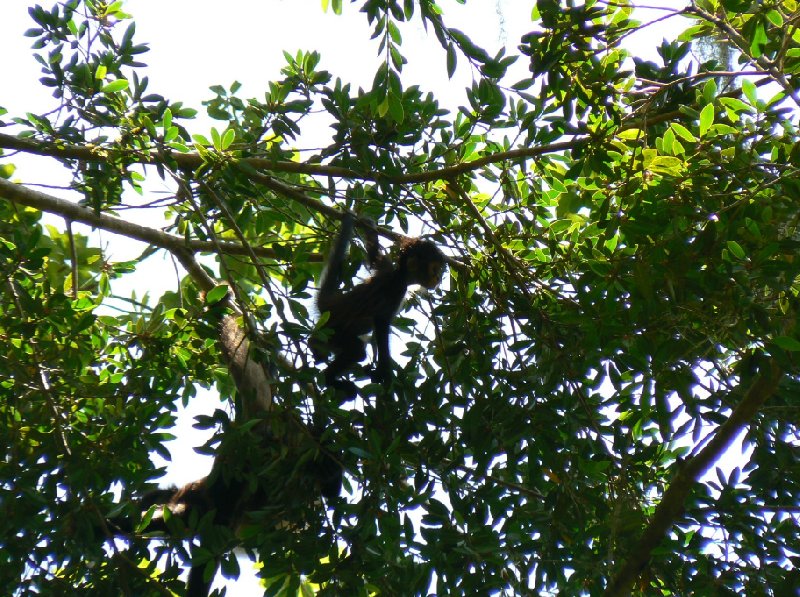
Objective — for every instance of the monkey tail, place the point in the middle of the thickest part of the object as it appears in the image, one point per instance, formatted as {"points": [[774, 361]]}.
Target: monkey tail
{"points": [[331, 275]]}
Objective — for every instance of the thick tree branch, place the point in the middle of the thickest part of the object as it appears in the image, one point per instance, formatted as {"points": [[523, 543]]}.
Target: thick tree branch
{"points": [[71, 211], [251, 380], [674, 498]]}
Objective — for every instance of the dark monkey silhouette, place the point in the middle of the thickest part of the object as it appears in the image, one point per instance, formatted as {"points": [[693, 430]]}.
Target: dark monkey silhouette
{"points": [[228, 499], [193, 499], [371, 305]]}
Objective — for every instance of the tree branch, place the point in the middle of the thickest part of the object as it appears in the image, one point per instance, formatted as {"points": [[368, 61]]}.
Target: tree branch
{"points": [[744, 47], [32, 198], [194, 160], [674, 498], [90, 153], [70, 211]]}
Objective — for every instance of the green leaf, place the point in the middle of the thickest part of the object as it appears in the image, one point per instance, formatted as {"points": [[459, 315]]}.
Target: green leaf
{"points": [[665, 164], [227, 139], [736, 249], [710, 91], [452, 60], [736, 5], [468, 47], [115, 86], [668, 140], [396, 110], [775, 17], [749, 89], [216, 294], [180, 147], [601, 268], [394, 33], [787, 343], [383, 107], [172, 133], [759, 37], [683, 132], [734, 104], [706, 119]]}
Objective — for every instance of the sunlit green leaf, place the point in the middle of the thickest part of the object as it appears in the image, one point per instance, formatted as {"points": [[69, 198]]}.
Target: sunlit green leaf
{"points": [[775, 17], [706, 119], [749, 89], [683, 132], [115, 86]]}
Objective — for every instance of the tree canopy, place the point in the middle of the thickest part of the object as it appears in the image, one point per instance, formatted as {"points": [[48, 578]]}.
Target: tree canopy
{"points": [[620, 305]]}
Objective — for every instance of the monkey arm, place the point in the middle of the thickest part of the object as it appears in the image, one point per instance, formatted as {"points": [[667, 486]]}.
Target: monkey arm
{"points": [[331, 275]]}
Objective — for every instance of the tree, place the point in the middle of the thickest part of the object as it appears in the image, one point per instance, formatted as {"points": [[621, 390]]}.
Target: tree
{"points": [[621, 305]]}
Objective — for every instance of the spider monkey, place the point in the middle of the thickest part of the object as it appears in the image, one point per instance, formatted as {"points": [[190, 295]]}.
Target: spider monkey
{"points": [[195, 498], [371, 305], [228, 499]]}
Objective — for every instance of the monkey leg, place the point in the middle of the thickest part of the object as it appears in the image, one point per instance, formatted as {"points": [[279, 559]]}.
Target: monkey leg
{"points": [[350, 352]]}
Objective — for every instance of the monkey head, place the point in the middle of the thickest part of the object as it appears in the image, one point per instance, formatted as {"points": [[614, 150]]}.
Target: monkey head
{"points": [[423, 262]]}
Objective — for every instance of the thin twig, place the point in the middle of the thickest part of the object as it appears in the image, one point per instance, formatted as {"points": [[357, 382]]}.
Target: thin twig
{"points": [[73, 251]]}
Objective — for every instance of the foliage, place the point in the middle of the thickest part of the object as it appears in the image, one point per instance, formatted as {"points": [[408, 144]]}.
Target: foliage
{"points": [[624, 236]]}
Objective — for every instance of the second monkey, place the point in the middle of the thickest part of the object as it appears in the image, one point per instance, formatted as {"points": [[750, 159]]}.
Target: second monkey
{"points": [[371, 305]]}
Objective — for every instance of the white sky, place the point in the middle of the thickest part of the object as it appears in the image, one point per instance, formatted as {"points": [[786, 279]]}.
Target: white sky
{"points": [[198, 43]]}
